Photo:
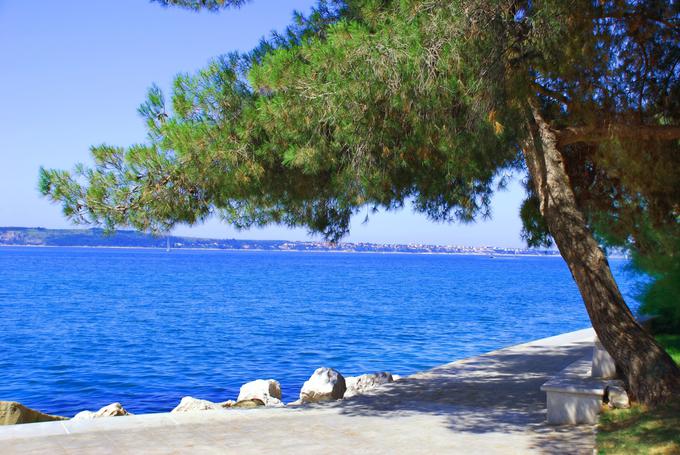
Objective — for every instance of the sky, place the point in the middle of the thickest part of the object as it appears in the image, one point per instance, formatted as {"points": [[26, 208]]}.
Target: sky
{"points": [[73, 73]]}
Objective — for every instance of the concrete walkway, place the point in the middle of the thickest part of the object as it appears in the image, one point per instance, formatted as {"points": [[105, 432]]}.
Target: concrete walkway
{"points": [[490, 404]]}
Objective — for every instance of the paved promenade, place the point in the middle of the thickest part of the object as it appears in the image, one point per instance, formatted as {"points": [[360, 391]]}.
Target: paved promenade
{"points": [[490, 404]]}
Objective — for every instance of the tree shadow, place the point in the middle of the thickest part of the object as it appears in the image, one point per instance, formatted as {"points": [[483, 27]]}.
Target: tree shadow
{"points": [[496, 392]]}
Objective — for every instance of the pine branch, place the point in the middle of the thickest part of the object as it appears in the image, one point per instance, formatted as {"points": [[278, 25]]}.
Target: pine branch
{"points": [[592, 134], [198, 5]]}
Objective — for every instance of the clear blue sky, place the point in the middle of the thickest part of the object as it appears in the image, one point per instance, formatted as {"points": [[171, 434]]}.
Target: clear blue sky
{"points": [[74, 72]]}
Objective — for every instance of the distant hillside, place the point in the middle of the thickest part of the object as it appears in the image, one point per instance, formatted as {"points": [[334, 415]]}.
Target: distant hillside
{"points": [[122, 238], [21, 236]]}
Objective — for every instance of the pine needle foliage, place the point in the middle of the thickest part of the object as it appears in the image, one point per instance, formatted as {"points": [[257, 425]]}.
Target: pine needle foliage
{"points": [[199, 5], [375, 103]]}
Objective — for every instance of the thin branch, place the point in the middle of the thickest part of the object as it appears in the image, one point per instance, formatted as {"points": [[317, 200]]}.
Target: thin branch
{"points": [[591, 134], [545, 91]]}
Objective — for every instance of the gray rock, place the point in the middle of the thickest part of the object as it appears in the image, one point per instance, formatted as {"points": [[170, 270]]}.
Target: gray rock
{"points": [[357, 385], [618, 398], [189, 404], [325, 384], [13, 413]]}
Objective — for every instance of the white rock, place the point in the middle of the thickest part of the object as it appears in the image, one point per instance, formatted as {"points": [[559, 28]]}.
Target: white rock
{"points": [[357, 385], [396, 377], [84, 415], [618, 398], [188, 404], [324, 384], [267, 390], [112, 410]]}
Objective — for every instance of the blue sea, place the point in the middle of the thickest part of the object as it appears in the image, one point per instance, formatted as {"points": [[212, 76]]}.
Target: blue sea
{"points": [[82, 327]]}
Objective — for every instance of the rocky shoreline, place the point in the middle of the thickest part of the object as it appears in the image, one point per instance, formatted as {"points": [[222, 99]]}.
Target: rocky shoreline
{"points": [[325, 384]]}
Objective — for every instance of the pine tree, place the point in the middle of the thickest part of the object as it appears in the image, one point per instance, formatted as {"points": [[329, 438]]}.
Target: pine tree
{"points": [[376, 103], [198, 5]]}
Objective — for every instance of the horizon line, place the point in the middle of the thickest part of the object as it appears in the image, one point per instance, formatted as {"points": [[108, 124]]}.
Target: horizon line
{"points": [[95, 228]]}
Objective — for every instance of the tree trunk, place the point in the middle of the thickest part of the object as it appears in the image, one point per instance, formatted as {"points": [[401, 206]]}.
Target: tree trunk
{"points": [[650, 374]]}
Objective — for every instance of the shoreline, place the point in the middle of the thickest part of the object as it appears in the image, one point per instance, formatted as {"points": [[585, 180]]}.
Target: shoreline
{"points": [[401, 408], [260, 250], [520, 344]]}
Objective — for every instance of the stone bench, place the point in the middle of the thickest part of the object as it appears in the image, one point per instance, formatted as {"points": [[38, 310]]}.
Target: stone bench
{"points": [[576, 395], [603, 365]]}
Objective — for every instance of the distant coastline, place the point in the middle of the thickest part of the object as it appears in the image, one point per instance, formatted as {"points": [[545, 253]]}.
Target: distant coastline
{"points": [[97, 238], [319, 251]]}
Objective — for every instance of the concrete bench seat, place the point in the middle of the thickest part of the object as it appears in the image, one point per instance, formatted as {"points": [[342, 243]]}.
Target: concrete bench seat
{"points": [[574, 396]]}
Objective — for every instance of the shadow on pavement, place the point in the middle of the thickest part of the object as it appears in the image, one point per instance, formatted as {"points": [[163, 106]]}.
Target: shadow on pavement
{"points": [[497, 392]]}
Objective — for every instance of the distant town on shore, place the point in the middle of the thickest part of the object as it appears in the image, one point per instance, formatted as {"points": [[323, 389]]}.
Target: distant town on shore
{"points": [[95, 237]]}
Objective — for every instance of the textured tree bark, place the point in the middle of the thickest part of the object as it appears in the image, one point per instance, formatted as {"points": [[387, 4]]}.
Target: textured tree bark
{"points": [[649, 372]]}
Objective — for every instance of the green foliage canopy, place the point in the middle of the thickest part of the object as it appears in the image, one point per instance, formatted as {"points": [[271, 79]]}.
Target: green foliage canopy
{"points": [[197, 5], [375, 103]]}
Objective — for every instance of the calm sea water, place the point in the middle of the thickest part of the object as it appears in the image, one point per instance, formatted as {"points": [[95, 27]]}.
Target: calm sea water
{"points": [[82, 328]]}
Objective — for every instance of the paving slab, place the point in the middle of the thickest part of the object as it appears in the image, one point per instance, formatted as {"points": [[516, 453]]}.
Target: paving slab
{"points": [[489, 404]]}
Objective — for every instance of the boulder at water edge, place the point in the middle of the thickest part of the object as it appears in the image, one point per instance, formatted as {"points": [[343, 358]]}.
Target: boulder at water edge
{"points": [[112, 410], [266, 390], [325, 384], [357, 385], [189, 404], [12, 413]]}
